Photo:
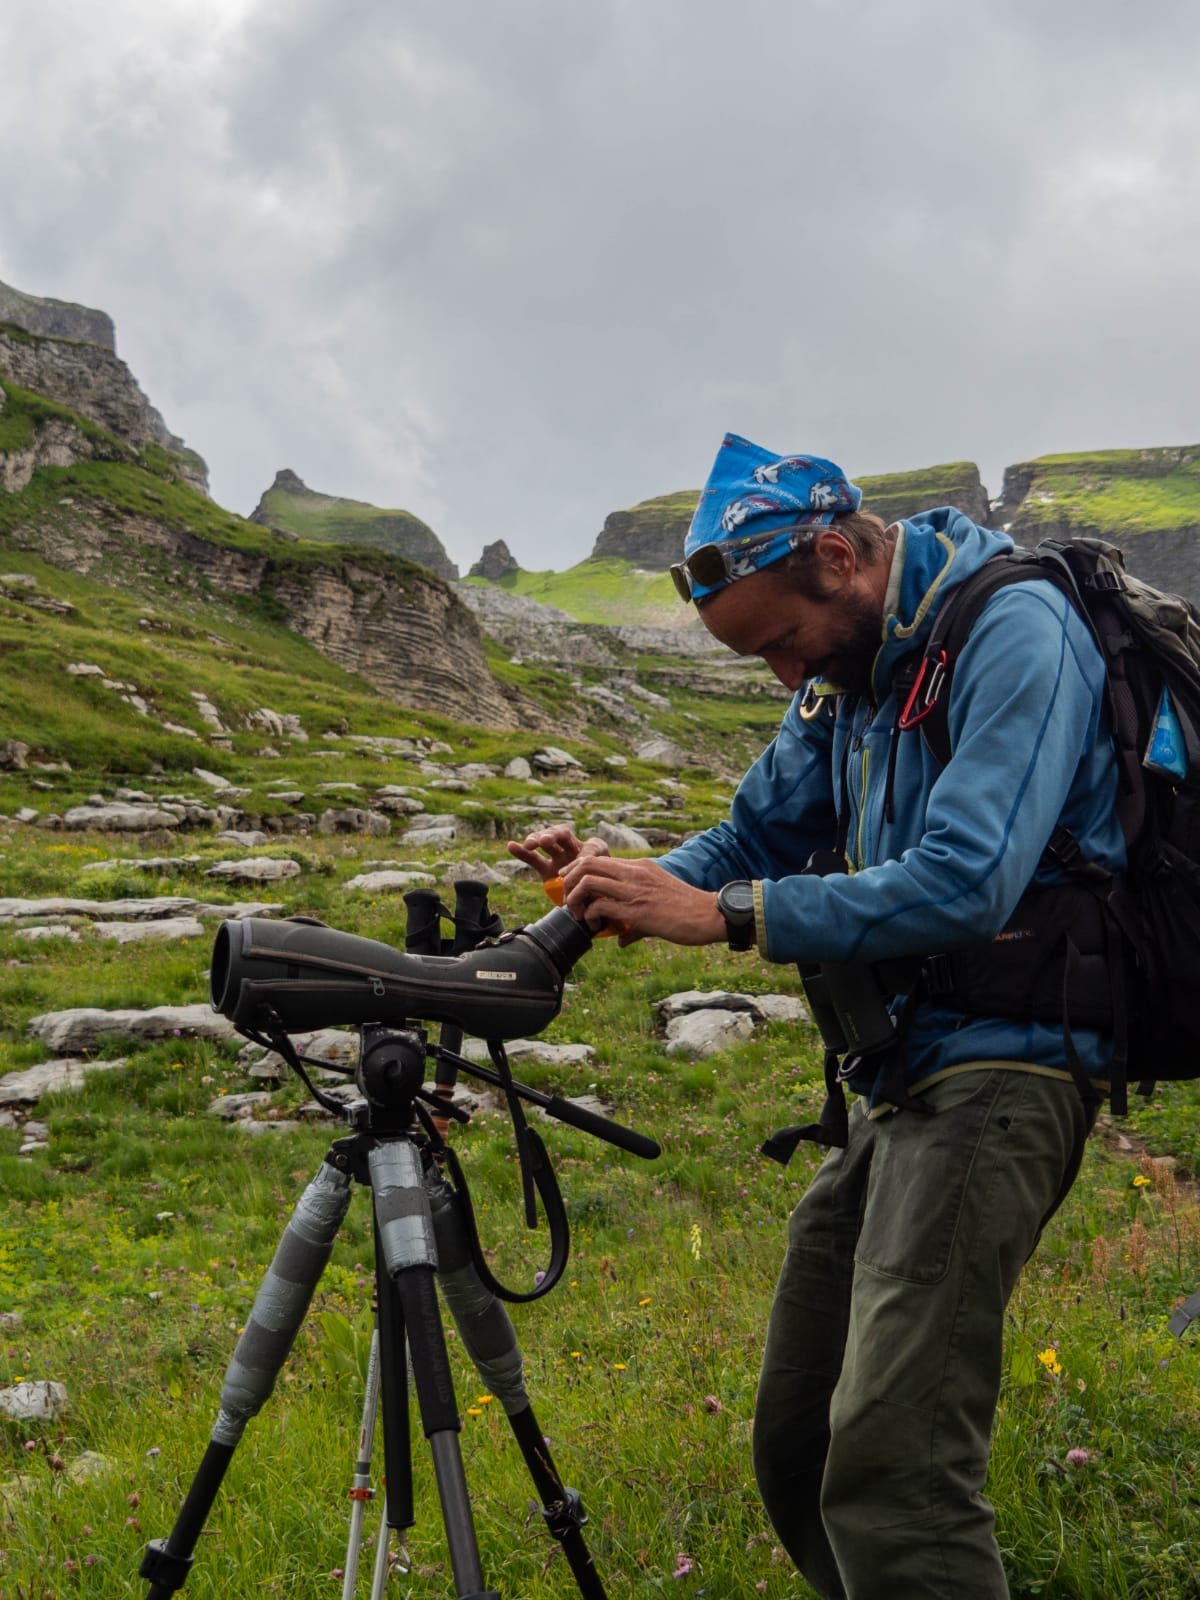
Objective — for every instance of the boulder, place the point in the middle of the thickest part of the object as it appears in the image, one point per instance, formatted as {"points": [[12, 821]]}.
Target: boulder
{"points": [[424, 836], [40, 1400], [619, 837], [551, 1055], [79, 1029], [662, 750], [519, 769], [255, 869], [354, 819], [388, 882], [707, 1033], [248, 838], [556, 763], [213, 779], [49, 1077], [167, 905], [117, 817], [164, 930], [13, 755], [232, 1107]]}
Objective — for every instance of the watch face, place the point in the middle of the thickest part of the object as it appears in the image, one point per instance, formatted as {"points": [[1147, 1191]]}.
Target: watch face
{"points": [[736, 901]]}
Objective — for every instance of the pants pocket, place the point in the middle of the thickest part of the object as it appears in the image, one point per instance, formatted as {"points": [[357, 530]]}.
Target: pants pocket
{"points": [[920, 1173]]}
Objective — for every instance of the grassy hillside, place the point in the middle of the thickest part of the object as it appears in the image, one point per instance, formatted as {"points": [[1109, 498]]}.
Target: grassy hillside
{"points": [[609, 590], [328, 519], [1124, 491]]}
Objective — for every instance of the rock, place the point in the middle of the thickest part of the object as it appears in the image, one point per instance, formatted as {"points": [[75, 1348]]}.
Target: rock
{"points": [[85, 669], [496, 562], [399, 805], [166, 929], [249, 838], [255, 869], [707, 1033], [34, 1401], [89, 1466], [387, 882], [612, 703], [353, 819], [208, 712], [25, 814], [49, 1077], [213, 779], [17, 580], [231, 1107], [116, 817], [424, 836], [13, 755], [664, 751], [452, 785], [585, 1102], [781, 1008], [689, 1000], [618, 837], [551, 1055], [56, 931], [11, 1321], [518, 768], [256, 1125], [616, 761], [81, 1028], [556, 763], [326, 1044], [168, 905]]}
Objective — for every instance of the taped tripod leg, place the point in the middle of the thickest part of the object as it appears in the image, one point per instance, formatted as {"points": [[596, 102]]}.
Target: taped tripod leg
{"points": [[279, 1307], [491, 1341], [409, 1250]]}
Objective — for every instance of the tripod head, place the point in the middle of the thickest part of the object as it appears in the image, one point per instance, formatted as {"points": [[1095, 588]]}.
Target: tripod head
{"points": [[307, 975]]}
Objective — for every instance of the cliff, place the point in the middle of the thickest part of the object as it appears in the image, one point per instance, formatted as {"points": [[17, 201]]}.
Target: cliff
{"points": [[893, 495], [290, 506], [67, 355]]}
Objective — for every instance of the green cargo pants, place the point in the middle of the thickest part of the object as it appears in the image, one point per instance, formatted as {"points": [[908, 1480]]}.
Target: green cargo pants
{"points": [[882, 1364]]}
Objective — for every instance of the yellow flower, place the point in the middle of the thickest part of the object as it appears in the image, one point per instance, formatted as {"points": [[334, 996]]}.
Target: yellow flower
{"points": [[1141, 1182], [576, 1355], [1049, 1359], [484, 1399], [618, 1366], [645, 1300], [474, 1411]]}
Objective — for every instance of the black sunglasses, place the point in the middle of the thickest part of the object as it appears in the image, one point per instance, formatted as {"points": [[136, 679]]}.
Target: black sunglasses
{"points": [[715, 564]]}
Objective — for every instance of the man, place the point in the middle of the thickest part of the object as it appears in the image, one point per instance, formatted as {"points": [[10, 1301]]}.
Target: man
{"points": [[883, 1354]]}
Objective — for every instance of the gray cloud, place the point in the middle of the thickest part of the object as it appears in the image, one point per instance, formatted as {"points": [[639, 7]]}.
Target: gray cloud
{"points": [[514, 266]]}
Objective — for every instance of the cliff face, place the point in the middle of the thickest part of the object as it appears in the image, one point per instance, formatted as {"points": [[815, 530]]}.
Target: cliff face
{"points": [[402, 630], [290, 506], [84, 374], [650, 534], [902, 494], [1145, 501]]}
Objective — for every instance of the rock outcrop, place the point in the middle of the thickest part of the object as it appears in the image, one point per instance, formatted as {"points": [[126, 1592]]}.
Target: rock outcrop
{"points": [[650, 534], [496, 562], [902, 494], [85, 374], [291, 507]]}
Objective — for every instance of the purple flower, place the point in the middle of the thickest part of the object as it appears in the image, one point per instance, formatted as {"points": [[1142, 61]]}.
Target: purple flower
{"points": [[683, 1565], [1078, 1457]]}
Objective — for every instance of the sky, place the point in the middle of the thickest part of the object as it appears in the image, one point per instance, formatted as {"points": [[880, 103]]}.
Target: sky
{"points": [[514, 264]]}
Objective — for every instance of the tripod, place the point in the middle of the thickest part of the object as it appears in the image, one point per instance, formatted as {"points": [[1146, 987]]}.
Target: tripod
{"points": [[422, 1226]]}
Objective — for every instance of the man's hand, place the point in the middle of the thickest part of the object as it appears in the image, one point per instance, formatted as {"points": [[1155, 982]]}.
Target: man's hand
{"points": [[643, 899], [549, 851]]}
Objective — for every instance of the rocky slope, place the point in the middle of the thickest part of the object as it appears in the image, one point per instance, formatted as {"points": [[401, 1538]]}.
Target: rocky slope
{"points": [[290, 506]]}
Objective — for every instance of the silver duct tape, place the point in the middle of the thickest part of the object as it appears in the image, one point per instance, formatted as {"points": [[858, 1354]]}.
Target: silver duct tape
{"points": [[487, 1334], [401, 1207], [281, 1301]]}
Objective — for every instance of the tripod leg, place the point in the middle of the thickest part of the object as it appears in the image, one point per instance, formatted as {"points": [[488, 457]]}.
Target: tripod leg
{"points": [[490, 1340], [274, 1321], [361, 1493], [410, 1255]]}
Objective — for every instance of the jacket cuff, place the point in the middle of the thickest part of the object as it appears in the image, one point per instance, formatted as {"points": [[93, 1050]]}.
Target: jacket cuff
{"points": [[760, 917]]}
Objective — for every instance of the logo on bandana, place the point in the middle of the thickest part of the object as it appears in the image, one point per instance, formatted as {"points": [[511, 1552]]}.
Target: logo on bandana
{"points": [[770, 473], [751, 505]]}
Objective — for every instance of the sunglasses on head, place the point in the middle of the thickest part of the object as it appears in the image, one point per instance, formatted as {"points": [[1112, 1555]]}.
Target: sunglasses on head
{"points": [[714, 565]]}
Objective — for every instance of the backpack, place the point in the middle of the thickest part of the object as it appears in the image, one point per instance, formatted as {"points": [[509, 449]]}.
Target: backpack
{"points": [[1150, 644]]}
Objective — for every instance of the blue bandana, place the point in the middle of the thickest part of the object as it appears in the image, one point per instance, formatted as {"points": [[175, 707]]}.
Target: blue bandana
{"points": [[752, 493]]}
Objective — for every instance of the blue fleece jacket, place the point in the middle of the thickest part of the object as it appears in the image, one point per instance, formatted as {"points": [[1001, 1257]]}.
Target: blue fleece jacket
{"points": [[1031, 750]]}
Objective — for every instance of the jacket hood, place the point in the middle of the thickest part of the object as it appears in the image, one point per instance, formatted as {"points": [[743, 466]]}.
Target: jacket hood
{"points": [[937, 550]]}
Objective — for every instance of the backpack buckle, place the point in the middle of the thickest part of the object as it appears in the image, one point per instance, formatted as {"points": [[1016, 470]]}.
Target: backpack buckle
{"points": [[922, 697], [1106, 581], [937, 975]]}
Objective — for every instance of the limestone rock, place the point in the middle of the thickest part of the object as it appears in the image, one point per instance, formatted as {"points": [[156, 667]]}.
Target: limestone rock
{"points": [[116, 817], [170, 905], [248, 838], [13, 755], [618, 837], [326, 1044], [81, 1028], [423, 836], [707, 1033], [662, 750], [213, 779], [354, 819], [49, 1077], [232, 1107], [39, 1400], [496, 562], [556, 763], [164, 930], [519, 769], [255, 869], [388, 882], [550, 1055]]}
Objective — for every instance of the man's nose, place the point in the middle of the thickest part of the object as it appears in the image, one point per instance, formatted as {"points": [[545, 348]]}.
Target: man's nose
{"points": [[790, 672]]}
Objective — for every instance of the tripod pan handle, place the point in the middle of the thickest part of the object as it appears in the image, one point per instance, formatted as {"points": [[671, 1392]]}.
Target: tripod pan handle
{"points": [[601, 1127]]}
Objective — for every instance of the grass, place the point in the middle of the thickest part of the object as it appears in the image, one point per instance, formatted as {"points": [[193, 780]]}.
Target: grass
{"points": [[1123, 491], [132, 1249], [608, 589]]}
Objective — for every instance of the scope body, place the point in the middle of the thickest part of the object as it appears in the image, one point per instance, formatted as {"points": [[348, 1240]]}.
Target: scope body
{"points": [[312, 976]]}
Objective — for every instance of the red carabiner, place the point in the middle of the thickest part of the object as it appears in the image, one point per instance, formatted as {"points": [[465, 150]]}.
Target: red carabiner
{"points": [[910, 716]]}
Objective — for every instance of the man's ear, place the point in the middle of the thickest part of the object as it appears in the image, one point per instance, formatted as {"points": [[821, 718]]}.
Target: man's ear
{"points": [[836, 555]]}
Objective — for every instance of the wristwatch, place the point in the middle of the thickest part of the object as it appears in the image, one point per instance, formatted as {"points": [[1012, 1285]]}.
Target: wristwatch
{"points": [[735, 902]]}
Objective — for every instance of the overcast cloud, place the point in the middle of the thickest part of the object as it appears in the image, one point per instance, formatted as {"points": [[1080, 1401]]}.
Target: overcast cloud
{"points": [[512, 264]]}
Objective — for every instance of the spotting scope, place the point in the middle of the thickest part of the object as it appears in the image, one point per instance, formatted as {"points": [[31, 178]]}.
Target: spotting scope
{"points": [[301, 974]]}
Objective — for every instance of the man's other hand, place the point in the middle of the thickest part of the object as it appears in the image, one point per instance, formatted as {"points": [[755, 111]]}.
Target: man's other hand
{"points": [[641, 898], [550, 851]]}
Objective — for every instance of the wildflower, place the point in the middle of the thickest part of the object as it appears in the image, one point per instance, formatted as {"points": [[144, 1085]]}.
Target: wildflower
{"points": [[683, 1565], [1049, 1359], [484, 1399], [645, 1300], [1078, 1457], [711, 1403], [618, 1366], [576, 1355], [1141, 1181], [474, 1411], [154, 1450]]}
